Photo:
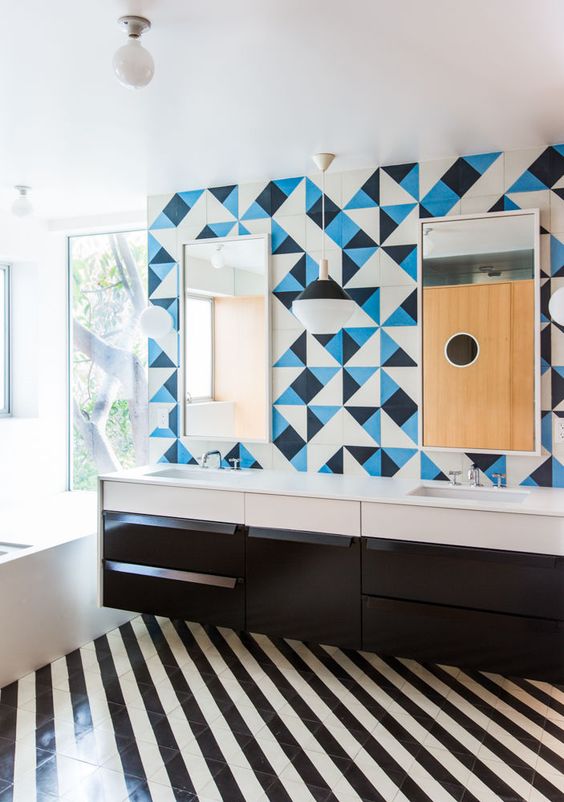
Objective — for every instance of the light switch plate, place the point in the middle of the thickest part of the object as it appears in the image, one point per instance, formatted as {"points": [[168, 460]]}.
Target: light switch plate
{"points": [[162, 418], [559, 430]]}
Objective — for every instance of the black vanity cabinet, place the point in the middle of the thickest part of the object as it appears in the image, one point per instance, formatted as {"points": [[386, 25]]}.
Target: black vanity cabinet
{"points": [[304, 585], [175, 567], [500, 611]]}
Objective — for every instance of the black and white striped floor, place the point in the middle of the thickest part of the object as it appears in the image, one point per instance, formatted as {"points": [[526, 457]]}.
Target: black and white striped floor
{"points": [[159, 711]]}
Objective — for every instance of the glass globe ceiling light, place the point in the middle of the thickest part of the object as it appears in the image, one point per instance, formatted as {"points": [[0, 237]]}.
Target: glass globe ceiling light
{"points": [[22, 207], [556, 306], [133, 65], [155, 322], [217, 258], [323, 307]]}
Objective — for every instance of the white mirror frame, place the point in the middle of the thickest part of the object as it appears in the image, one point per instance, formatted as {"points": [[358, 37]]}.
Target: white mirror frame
{"points": [[535, 215], [265, 238]]}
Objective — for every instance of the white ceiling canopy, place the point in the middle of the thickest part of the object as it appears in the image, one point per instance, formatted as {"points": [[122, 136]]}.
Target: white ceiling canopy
{"points": [[249, 90]]}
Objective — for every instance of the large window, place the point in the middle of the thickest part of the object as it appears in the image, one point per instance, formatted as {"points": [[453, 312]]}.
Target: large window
{"points": [[109, 366], [199, 348], [5, 340]]}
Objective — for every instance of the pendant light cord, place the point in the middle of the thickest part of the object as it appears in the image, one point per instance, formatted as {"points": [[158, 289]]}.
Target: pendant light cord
{"points": [[323, 214]]}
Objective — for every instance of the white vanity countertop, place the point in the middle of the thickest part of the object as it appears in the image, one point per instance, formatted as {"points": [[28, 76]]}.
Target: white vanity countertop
{"points": [[536, 500]]}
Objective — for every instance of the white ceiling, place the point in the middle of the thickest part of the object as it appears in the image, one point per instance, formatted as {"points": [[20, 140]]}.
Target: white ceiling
{"points": [[249, 89], [480, 235]]}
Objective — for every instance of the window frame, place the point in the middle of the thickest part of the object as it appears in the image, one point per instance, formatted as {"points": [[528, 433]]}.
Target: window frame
{"points": [[202, 399], [6, 402]]}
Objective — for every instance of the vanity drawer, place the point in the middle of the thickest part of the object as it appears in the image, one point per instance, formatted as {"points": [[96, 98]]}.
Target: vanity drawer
{"points": [[511, 645], [206, 546], [308, 514], [177, 502], [482, 579], [205, 598]]}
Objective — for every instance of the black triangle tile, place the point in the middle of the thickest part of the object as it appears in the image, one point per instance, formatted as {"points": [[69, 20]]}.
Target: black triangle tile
{"points": [[335, 463], [162, 257], [349, 268], [314, 425], [176, 209], [399, 359], [360, 240], [206, 233], [361, 414], [387, 226], [286, 298], [350, 386], [277, 197], [222, 193], [350, 347], [362, 453], [542, 476], [399, 171]]}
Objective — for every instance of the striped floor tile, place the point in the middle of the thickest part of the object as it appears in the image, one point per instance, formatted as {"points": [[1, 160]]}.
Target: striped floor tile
{"points": [[168, 711]]}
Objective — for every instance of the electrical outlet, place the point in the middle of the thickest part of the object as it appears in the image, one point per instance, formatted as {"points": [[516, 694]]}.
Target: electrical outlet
{"points": [[559, 430], [162, 418]]}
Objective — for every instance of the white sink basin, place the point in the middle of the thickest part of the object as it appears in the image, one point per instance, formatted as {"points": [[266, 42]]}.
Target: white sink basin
{"points": [[491, 495], [190, 474]]}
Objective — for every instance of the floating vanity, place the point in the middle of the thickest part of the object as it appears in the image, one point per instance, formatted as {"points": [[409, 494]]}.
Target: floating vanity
{"points": [[467, 576]]}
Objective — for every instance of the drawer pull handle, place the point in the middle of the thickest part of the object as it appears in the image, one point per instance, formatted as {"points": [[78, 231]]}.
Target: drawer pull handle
{"points": [[162, 521], [295, 536], [191, 577]]}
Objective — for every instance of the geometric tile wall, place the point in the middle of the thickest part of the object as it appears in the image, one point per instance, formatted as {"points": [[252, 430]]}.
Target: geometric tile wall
{"points": [[349, 403]]}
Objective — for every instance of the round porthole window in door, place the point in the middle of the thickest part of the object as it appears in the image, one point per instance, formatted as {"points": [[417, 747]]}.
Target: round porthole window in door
{"points": [[462, 350]]}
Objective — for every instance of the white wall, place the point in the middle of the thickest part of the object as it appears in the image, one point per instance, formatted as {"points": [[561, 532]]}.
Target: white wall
{"points": [[33, 441]]}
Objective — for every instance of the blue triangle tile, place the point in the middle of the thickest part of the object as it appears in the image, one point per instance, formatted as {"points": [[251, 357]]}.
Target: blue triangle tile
{"points": [[387, 387], [222, 229], [556, 256], [411, 428], [192, 196], [279, 424], [557, 472], [360, 200], [442, 194], [324, 375], [411, 182], [399, 211], [373, 465], [153, 247], [360, 255], [255, 212], [313, 194], [300, 460], [361, 375], [231, 202], [362, 334], [429, 470], [288, 185], [546, 430], [242, 230], [290, 398], [400, 456], [324, 413], [312, 269], [289, 284], [162, 221], [482, 161], [527, 183]]}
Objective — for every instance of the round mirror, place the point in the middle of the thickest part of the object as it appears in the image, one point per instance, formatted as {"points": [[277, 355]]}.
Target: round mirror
{"points": [[462, 350]]}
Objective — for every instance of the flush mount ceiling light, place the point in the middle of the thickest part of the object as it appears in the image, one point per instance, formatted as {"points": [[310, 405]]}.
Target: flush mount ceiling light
{"points": [[428, 242], [323, 307], [217, 258], [133, 65], [556, 306], [22, 207], [155, 322]]}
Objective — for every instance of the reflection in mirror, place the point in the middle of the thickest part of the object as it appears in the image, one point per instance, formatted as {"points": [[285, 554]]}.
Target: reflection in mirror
{"points": [[480, 372], [226, 362]]}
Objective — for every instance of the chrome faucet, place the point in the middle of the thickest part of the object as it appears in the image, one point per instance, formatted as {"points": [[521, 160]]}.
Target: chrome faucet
{"points": [[474, 476], [453, 477], [207, 455], [499, 477]]}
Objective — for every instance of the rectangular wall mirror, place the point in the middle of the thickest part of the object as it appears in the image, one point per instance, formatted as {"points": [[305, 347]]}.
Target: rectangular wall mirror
{"points": [[225, 339], [481, 333]]}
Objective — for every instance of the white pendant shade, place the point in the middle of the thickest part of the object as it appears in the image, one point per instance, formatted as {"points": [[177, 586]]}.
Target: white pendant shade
{"points": [[556, 306], [155, 322], [323, 315]]}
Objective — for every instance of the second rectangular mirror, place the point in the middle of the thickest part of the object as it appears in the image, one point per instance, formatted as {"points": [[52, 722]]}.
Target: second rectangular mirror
{"points": [[226, 355], [480, 333]]}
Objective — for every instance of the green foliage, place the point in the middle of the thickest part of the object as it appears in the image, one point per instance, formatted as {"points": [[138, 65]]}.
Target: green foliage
{"points": [[102, 302]]}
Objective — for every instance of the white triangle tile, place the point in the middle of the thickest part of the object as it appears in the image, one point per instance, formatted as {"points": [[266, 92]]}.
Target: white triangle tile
{"points": [[546, 390], [352, 181], [534, 200], [368, 220], [331, 433], [169, 344], [517, 161], [168, 288], [354, 434], [492, 182], [191, 226], [318, 355], [261, 226], [279, 461], [281, 264], [248, 193], [157, 377], [158, 446], [282, 318], [545, 253], [519, 468], [351, 466], [282, 339], [393, 435], [391, 274], [368, 275], [411, 469], [282, 378], [295, 226], [391, 298], [368, 395], [294, 203], [431, 172], [557, 338], [332, 393], [391, 193], [556, 212], [408, 379], [168, 239], [479, 204], [369, 354], [407, 232], [407, 337], [155, 205], [318, 454], [360, 319], [216, 212], [296, 417]]}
